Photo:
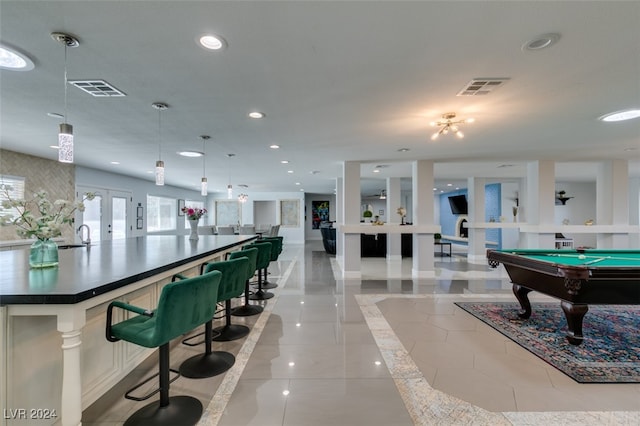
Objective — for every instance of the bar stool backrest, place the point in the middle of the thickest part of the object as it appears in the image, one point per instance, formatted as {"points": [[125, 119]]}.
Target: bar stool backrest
{"points": [[249, 253], [276, 246], [183, 306], [234, 276], [264, 254]]}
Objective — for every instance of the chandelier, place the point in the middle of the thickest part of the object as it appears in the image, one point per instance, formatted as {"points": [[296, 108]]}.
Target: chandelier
{"points": [[243, 198], [448, 123]]}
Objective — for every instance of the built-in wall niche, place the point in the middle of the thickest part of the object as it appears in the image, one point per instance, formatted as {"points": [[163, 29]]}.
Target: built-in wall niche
{"points": [[561, 198]]}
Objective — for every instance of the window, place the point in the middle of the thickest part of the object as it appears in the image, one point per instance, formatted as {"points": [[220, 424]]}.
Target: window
{"points": [[196, 204], [14, 186], [161, 213]]}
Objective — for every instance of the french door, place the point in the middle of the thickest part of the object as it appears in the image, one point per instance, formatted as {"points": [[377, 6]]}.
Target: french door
{"points": [[108, 215]]}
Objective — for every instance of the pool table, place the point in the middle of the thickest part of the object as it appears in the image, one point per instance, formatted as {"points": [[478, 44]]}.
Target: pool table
{"points": [[577, 277]]}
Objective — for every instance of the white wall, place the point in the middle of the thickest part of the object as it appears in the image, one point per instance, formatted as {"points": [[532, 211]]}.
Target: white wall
{"points": [[140, 188], [578, 209], [291, 234], [314, 234]]}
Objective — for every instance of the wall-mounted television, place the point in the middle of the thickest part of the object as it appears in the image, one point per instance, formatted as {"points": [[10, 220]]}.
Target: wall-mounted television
{"points": [[458, 204]]}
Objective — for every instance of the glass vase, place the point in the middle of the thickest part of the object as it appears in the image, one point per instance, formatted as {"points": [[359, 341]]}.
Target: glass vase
{"points": [[193, 223], [43, 254]]}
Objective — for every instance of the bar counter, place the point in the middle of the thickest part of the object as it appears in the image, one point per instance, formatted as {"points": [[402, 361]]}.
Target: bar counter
{"points": [[52, 320]]}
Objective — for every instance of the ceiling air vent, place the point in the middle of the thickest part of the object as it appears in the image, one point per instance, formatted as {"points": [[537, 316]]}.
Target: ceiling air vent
{"points": [[482, 86], [97, 88]]}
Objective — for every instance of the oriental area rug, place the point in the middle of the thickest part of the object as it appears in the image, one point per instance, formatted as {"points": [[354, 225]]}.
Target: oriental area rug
{"points": [[610, 352]]}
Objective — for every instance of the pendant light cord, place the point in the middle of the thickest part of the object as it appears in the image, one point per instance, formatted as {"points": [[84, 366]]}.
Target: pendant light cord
{"points": [[159, 135], [65, 83]]}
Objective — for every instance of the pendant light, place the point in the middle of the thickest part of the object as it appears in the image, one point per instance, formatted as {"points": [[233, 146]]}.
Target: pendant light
{"points": [[65, 135], [229, 187], [203, 183], [160, 164]]}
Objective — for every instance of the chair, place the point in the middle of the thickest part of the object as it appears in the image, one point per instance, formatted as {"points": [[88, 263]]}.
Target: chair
{"points": [[329, 239], [264, 257], [226, 230], [247, 309], [234, 273], [207, 230], [263, 228], [247, 230], [275, 229], [182, 306], [276, 249]]}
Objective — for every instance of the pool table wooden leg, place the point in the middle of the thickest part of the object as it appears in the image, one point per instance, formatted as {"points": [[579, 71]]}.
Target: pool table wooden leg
{"points": [[521, 294], [574, 315]]}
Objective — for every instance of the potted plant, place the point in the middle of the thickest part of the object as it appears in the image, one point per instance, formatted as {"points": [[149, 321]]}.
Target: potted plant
{"points": [[368, 214], [437, 237]]}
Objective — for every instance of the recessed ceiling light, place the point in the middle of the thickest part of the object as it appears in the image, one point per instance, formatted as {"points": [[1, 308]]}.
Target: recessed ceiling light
{"points": [[403, 150], [257, 114], [55, 115], [285, 161], [630, 149], [274, 146], [212, 42], [297, 183], [190, 153], [542, 42], [627, 114], [12, 59], [376, 171], [289, 171], [449, 184], [54, 146], [115, 162], [314, 172]]}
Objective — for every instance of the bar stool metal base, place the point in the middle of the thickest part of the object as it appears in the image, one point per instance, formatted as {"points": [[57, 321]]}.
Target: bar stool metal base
{"points": [[230, 332], [261, 295], [207, 365], [182, 410], [246, 310], [267, 285]]}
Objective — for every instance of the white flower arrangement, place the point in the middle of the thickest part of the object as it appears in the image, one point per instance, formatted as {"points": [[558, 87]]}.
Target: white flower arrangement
{"points": [[38, 217]]}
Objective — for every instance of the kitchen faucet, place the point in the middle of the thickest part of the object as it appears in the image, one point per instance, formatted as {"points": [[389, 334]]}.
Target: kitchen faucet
{"points": [[88, 240]]}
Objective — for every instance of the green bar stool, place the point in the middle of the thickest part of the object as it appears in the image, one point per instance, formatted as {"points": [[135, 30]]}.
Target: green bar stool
{"points": [[183, 306], [276, 249], [234, 273], [264, 257], [247, 309]]}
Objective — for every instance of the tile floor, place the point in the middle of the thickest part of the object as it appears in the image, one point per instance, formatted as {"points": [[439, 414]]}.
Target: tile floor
{"points": [[382, 350]]}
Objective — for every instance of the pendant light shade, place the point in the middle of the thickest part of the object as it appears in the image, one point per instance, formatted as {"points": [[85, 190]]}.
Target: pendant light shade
{"points": [[65, 143], [65, 135], [159, 172], [203, 181], [160, 164], [203, 187], [229, 192]]}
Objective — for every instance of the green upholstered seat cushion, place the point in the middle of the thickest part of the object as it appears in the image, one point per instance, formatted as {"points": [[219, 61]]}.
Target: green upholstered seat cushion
{"points": [[249, 253], [276, 246], [264, 253], [234, 276], [183, 306]]}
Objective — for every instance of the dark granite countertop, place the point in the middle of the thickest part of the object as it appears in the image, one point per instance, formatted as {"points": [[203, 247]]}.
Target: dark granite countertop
{"points": [[84, 273]]}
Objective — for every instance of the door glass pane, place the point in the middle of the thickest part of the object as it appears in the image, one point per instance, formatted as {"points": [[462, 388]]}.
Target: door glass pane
{"points": [[92, 216], [119, 218]]}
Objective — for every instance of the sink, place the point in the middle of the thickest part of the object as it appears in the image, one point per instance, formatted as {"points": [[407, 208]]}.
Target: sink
{"points": [[68, 246]]}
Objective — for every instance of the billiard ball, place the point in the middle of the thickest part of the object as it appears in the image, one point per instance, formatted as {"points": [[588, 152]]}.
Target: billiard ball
{"points": [[582, 256]]}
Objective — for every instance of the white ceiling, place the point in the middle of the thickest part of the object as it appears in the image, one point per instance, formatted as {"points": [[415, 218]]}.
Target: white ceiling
{"points": [[338, 81]]}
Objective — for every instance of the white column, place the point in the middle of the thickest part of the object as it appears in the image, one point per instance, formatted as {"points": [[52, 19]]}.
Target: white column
{"points": [[612, 201], [422, 214], [634, 211], [477, 236], [351, 216], [394, 200], [540, 202], [70, 323], [339, 217]]}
